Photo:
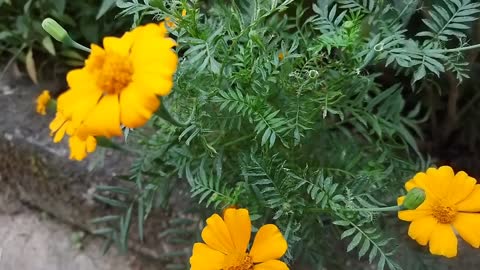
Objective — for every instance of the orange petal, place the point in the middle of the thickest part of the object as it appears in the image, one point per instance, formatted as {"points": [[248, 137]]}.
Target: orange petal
{"points": [[117, 45], [271, 265], [77, 148], [462, 185], [60, 133], [205, 258], [104, 119], [467, 225], [269, 244], [137, 106], [443, 241], [400, 200], [472, 202], [421, 229], [410, 215], [240, 226], [91, 144], [217, 236]]}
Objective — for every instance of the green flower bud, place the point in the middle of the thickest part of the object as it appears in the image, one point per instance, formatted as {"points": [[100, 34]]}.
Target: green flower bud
{"points": [[55, 30], [414, 198], [348, 24]]}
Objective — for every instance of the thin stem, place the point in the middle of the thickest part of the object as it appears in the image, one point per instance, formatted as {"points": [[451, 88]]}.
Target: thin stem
{"points": [[380, 209], [80, 46], [459, 49]]}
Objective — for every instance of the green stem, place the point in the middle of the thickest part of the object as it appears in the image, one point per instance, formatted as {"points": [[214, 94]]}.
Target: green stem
{"points": [[79, 46], [380, 209], [459, 49]]}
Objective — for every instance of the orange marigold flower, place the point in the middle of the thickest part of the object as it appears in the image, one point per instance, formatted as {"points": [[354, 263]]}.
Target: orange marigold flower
{"points": [[452, 204], [281, 56], [226, 242], [170, 23], [119, 85], [42, 102]]}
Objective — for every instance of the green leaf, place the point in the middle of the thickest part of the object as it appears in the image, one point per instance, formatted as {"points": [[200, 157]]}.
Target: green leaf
{"points": [[104, 7], [48, 45], [355, 241], [30, 66]]}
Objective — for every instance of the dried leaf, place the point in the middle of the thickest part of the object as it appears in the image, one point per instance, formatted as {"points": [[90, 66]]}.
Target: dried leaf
{"points": [[30, 65]]}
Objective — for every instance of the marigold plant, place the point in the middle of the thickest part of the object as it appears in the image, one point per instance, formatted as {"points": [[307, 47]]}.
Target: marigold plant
{"points": [[301, 112]]}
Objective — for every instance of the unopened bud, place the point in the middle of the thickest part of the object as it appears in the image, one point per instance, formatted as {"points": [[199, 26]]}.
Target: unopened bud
{"points": [[55, 30], [414, 198]]}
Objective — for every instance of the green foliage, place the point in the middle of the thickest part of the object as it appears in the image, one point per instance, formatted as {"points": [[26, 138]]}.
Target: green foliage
{"points": [[305, 141], [22, 37]]}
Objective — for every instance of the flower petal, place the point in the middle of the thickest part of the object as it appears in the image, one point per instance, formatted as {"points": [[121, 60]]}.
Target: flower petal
{"points": [[421, 228], [217, 236], [400, 200], [271, 265], [137, 106], [117, 45], [205, 258], [78, 148], [240, 227], [443, 241], [269, 244], [472, 202], [463, 186], [104, 119], [467, 225]]}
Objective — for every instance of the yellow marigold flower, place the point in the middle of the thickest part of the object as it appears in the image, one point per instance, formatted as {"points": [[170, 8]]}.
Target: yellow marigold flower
{"points": [[170, 23], [42, 102], [184, 12], [226, 242], [452, 204], [79, 147], [121, 82]]}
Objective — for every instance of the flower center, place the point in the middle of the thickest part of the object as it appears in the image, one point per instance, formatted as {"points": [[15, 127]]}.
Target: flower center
{"points": [[444, 214], [238, 261], [115, 73]]}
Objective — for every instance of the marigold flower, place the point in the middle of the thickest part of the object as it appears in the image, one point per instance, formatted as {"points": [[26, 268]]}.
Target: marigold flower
{"points": [[121, 82], [42, 102], [170, 23], [452, 204], [184, 12], [226, 242], [281, 56]]}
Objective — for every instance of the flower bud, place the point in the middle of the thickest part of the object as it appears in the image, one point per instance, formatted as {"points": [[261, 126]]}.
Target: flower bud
{"points": [[55, 30], [414, 198]]}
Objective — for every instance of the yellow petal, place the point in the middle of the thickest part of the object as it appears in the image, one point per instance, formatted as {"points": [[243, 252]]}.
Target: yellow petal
{"points": [[468, 225], [217, 236], [91, 144], [472, 202], [420, 229], [77, 148], [104, 119], [421, 211], [269, 244], [400, 200], [60, 133], [120, 46], [443, 241], [137, 106], [240, 227], [57, 122], [271, 265], [205, 258], [461, 187]]}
